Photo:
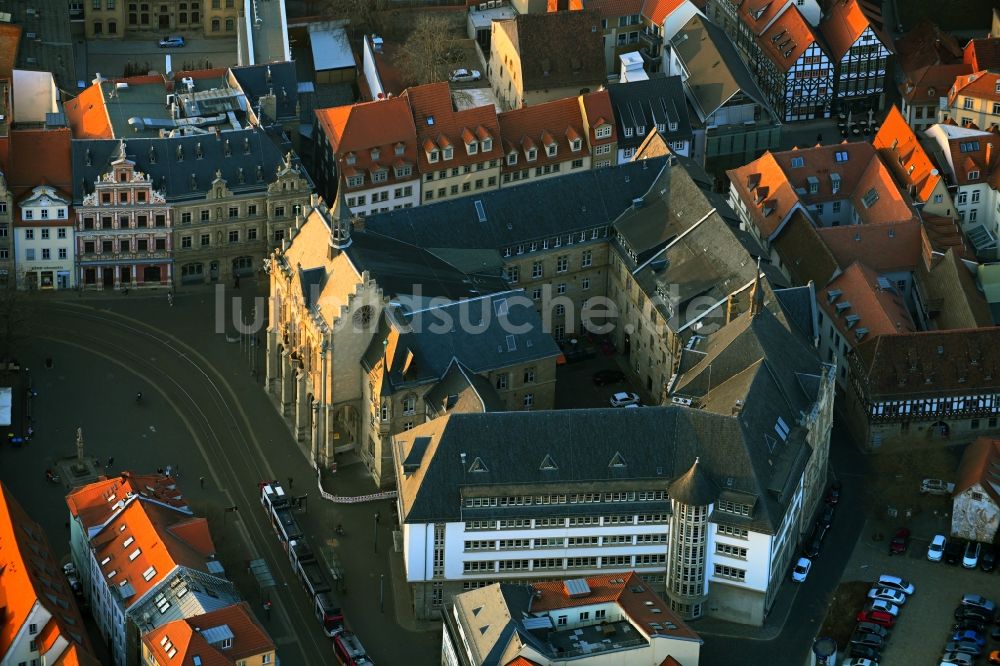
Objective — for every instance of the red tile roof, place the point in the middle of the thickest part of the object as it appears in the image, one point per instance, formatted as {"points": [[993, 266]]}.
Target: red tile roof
{"points": [[926, 45], [973, 154], [658, 10], [979, 85], [10, 41], [928, 85], [385, 126], [438, 123], [521, 661], [884, 248], [614, 8], [29, 575], [628, 591], [562, 49], [558, 122], [980, 462], [767, 192], [597, 111], [786, 39], [861, 306], [40, 157], [87, 115], [983, 53], [250, 639], [842, 26], [902, 153]]}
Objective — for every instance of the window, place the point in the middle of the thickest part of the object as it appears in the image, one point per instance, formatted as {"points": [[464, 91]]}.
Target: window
{"points": [[205, 240], [586, 259], [871, 196], [536, 270], [46, 253], [29, 234], [185, 242], [585, 284], [798, 162], [723, 571], [603, 132], [234, 236], [62, 253], [528, 400], [409, 404], [29, 214], [501, 381], [603, 150], [841, 155], [29, 254], [252, 234], [974, 175], [562, 264], [967, 103], [32, 629], [529, 375]]}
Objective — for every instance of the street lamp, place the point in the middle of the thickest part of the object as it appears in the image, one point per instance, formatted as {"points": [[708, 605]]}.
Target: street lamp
{"points": [[375, 523]]}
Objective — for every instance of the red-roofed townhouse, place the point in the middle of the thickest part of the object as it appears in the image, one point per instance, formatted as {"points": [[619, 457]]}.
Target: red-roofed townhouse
{"points": [[975, 514], [974, 101], [782, 52], [542, 141], [922, 91], [662, 19], [983, 53], [611, 618], [368, 150], [41, 623], [230, 636], [969, 158], [137, 547], [459, 152], [860, 54], [912, 167]]}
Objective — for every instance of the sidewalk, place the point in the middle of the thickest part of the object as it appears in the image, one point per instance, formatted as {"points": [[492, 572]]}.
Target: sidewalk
{"points": [[773, 625]]}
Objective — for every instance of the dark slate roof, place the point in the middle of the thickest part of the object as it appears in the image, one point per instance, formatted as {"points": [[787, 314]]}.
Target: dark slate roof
{"points": [[277, 78], [574, 202], [694, 488], [462, 390], [645, 104], [558, 49], [654, 445], [247, 150], [799, 304], [401, 268], [473, 331]]}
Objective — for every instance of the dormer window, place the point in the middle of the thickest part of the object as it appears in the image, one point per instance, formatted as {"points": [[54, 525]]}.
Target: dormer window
{"points": [[472, 148], [448, 153], [551, 149], [628, 132], [486, 145], [973, 175], [575, 145], [433, 155], [404, 171], [512, 159], [660, 127], [532, 154], [673, 127], [380, 175], [400, 149], [604, 131], [356, 181], [376, 153], [997, 89], [350, 159], [641, 130]]}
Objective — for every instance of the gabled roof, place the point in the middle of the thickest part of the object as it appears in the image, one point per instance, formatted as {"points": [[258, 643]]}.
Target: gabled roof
{"points": [[39, 157], [657, 11], [597, 112], [88, 116], [885, 248], [462, 390], [438, 125], [769, 195], [900, 366], [716, 71], [980, 465], [558, 49], [803, 253], [190, 637], [980, 84], [862, 304], [983, 54], [929, 84], [843, 24], [787, 39], [659, 100], [614, 8], [926, 44], [29, 575], [948, 290], [536, 126], [973, 153]]}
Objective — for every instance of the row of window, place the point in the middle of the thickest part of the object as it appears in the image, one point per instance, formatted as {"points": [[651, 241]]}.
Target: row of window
{"points": [[123, 245], [574, 521], [44, 234], [29, 214], [124, 222], [378, 197], [576, 237], [565, 542], [525, 174], [467, 186], [29, 254], [606, 561], [571, 498]]}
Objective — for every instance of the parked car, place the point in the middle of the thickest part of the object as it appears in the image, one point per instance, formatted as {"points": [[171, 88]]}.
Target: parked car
{"points": [[968, 635], [988, 559], [171, 42], [973, 613], [833, 495], [995, 633], [624, 399], [953, 551], [957, 659], [900, 541], [968, 647], [895, 583], [883, 606], [860, 662], [994, 657], [872, 628], [979, 601], [885, 594], [877, 617], [870, 640], [970, 560], [463, 74], [603, 377], [935, 551], [970, 625], [826, 515], [864, 652], [801, 570], [936, 487]]}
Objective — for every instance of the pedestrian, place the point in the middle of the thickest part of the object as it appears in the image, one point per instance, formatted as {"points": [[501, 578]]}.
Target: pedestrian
{"points": [[267, 608], [170, 298], [111, 461], [201, 481], [290, 483], [377, 516]]}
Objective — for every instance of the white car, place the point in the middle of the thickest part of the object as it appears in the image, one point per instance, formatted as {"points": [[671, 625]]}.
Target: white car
{"points": [[460, 75], [801, 569], [936, 487], [957, 659], [884, 606], [935, 551], [885, 594], [624, 399], [895, 583], [171, 42]]}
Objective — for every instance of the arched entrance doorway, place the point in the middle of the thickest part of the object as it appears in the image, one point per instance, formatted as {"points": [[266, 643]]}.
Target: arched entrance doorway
{"points": [[345, 429]]}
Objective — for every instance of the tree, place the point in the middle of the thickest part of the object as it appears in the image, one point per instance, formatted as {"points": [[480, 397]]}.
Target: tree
{"points": [[427, 52], [363, 15]]}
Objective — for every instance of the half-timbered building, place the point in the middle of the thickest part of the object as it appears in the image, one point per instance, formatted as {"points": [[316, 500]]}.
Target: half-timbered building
{"points": [[860, 54]]}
